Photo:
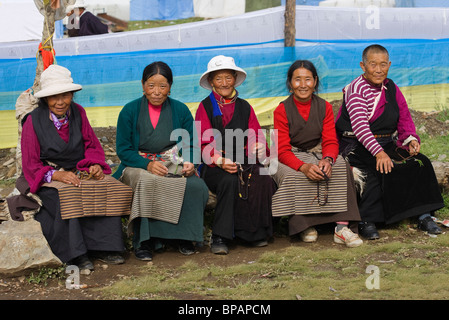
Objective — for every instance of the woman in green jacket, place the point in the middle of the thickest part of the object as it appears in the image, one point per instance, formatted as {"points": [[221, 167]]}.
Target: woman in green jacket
{"points": [[156, 146]]}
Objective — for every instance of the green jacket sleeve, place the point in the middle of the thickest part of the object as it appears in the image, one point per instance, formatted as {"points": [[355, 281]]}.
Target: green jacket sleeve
{"points": [[183, 119], [127, 140]]}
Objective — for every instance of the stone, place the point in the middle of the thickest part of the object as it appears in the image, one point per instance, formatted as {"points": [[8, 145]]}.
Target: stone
{"points": [[23, 247], [442, 172]]}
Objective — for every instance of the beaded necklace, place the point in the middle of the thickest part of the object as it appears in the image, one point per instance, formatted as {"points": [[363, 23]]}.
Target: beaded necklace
{"points": [[242, 185]]}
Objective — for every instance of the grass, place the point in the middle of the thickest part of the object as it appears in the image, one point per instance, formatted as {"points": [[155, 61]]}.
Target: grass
{"points": [[411, 267], [138, 25], [434, 147]]}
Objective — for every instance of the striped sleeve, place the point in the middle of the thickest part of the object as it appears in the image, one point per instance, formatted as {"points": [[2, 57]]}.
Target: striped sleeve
{"points": [[359, 102]]}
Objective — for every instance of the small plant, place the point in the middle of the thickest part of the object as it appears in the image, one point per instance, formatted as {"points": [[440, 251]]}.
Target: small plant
{"points": [[45, 274]]}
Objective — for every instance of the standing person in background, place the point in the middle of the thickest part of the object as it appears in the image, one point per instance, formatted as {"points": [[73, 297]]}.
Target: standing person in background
{"points": [[83, 22], [378, 136]]}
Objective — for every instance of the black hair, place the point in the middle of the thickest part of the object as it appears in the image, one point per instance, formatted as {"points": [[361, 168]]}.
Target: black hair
{"points": [[157, 67], [306, 64], [377, 48]]}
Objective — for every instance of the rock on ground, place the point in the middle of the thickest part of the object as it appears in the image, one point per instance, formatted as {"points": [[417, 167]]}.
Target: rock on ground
{"points": [[23, 246]]}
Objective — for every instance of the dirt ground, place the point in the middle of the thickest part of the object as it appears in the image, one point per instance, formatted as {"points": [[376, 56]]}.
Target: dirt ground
{"points": [[19, 288]]}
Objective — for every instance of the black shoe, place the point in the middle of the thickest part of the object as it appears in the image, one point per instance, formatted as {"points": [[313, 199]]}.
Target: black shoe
{"points": [[427, 224], [218, 245], [109, 257], [143, 254], [186, 247], [259, 243], [368, 230], [83, 262]]}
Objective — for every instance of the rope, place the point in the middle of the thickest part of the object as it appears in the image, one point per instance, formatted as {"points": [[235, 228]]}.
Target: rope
{"points": [[44, 46]]}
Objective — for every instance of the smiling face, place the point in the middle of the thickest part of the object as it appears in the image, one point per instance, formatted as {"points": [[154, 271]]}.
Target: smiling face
{"points": [[223, 82], [375, 67], [303, 84], [59, 103], [156, 89]]}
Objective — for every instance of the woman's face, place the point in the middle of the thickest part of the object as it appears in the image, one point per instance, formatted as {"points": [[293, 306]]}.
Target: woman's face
{"points": [[156, 89], [59, 103], [223, 81], [303, 84]]}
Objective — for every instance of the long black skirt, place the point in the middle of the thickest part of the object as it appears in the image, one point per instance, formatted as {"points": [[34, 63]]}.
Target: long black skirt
{"points": [[70, 238], [410, 190], [242, 211]]}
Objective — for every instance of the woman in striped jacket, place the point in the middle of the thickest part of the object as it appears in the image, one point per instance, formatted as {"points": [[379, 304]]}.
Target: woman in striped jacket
{"points": [[378, 137]]}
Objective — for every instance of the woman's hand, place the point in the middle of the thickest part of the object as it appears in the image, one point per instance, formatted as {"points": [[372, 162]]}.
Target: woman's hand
{"points": [[227, 165], [383, 162], [313, 171], [414, 147], [188, 169], [326, 167], [258, 149], [96, 171], [157, 168], [67, 177]]}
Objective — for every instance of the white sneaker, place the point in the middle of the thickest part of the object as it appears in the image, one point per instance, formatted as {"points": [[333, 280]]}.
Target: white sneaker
{"points": [[309, 235], [346, 236]]}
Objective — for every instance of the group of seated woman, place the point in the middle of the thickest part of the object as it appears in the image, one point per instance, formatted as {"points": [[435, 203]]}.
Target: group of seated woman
{"points": [[171, 162]]}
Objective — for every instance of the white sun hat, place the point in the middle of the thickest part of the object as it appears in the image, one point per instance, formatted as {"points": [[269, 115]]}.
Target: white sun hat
{"points": [[55, 80], [76, 5], [79, 4], [222, 63]]}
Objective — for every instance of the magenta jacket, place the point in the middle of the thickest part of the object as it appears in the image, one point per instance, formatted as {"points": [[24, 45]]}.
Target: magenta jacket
{"points": [[33, 168]]}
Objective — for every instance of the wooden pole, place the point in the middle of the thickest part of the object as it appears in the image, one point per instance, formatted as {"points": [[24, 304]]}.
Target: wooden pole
{"points": [[290, 29]]}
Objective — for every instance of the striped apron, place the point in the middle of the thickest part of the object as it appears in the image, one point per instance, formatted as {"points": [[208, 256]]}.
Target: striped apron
{"points": [[156, 197], [298, 195], [107, 197]]}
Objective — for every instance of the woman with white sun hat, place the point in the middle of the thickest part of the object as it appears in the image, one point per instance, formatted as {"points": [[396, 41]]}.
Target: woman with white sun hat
{"points": [[232, 168], [64, 165]]}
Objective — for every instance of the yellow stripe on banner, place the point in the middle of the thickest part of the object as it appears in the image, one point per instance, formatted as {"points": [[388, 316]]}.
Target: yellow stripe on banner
{"points": [[8, 129], [421, 98], [103, 116]]}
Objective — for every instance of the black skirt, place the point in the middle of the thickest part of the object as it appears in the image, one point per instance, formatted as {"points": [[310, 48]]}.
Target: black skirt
{"points": [[410, 190], [243, 210], [70, 238]]}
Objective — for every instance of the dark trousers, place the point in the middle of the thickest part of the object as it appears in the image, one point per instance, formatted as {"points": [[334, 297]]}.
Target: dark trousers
{"points": [[247, 217], [410, 190], [70, 238], [225, 186]]}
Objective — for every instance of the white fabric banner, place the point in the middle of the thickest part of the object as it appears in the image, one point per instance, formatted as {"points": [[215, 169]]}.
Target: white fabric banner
{"points": [[218, 8], [313, 23]]}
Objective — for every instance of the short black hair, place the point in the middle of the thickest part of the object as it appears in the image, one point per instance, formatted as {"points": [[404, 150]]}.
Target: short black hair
{"points": [[157, 67], [377, 48], [306, 64]]}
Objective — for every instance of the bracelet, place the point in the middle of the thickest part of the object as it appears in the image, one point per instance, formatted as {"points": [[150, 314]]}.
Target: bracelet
{"points": [[330, 160]]}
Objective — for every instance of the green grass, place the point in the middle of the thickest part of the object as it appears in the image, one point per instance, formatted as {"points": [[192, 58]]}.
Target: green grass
{"points": [[138, 25], [413, 267], [434, 147]]}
